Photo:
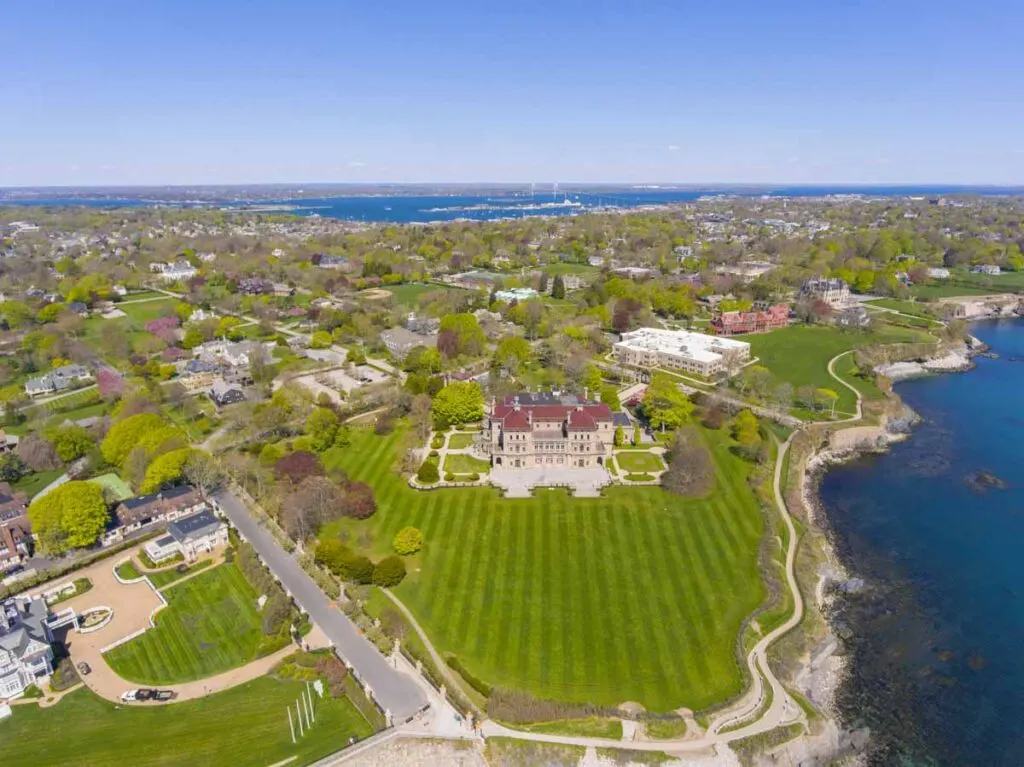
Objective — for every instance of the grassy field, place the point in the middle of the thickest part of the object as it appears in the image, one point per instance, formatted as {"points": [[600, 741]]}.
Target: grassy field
{"points": [[460, 440], [800, 354], [117, 487], [246, 725], [905, 307], [33, 483], [638, 461], [163, 578], [409, 295], [946, 290], [464, 464], [605, 594], [210, 625]]}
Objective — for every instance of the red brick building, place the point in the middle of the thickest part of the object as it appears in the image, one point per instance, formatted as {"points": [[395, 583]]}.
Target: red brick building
{"points": [[759, 321]]}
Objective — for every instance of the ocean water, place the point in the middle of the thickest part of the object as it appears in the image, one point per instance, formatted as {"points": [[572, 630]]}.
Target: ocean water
{"points": [[477, 207], [936, 639]]}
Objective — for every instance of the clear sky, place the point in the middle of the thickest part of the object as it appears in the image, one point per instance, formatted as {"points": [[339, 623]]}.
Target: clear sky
{"points": [[224, 91]]}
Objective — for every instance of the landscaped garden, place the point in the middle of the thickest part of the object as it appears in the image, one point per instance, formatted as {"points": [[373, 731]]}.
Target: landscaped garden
{"points": [[210, 625], [464, 464], [605, 594], [246, 725], [461, 440], [639, 461]]}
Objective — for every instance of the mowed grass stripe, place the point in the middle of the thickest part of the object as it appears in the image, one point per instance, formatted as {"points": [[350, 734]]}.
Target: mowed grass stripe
{"points": [[580, 600]]}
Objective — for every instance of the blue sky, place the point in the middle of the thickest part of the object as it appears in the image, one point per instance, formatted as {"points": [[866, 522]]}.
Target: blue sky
{"points": [[642, 91]]}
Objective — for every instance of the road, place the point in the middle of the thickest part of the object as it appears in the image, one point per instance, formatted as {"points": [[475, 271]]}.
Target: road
{"points": [[397, 693]]}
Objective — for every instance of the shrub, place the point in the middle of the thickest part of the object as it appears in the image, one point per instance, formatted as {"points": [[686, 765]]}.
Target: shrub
{"points": [[517, 707], [433, 454], [334, 672], [409, 540], [474, 477], [32, 691], [437, 443], [449, 477], [477, 684], [359, 501], [428, 473], [389, 571]]}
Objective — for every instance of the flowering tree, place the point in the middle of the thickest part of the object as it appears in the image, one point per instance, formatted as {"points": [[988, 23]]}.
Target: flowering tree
{"points": [[109, 383]]}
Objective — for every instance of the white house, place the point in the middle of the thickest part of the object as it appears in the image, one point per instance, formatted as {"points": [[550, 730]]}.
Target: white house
{"points": [[189, 536], [990, 269], [833, 291], [26, 657], [938, 273], [179, 270], [56, 380], [684, 350]]}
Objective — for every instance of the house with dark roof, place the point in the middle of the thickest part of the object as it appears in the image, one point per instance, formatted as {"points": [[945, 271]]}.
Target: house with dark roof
{"points": [[15, 530], [164, 506], [60, 379], [528, 430], [26, 657], [223, 393], [189, 536]]}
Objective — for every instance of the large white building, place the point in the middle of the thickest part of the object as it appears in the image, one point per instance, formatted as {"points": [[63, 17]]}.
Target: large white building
{"points": [[680, 350], [832, 290]]}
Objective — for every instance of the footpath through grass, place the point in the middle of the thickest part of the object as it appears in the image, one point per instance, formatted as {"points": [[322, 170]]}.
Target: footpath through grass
{"points": [[800, 354], [246, 725], [637, 596], [210, 625]]}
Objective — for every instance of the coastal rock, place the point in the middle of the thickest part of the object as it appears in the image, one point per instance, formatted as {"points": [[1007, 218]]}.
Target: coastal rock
{"points": [[982, 481], [954, 361]]}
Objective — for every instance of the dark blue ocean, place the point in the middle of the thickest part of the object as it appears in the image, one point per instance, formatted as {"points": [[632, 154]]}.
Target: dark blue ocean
{"points": [[479, 207], [936, 641]]}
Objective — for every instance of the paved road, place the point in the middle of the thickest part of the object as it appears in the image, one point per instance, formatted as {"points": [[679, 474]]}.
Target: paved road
{"points": [[396, 692]]}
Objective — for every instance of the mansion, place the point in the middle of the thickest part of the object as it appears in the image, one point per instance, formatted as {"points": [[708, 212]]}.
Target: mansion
{"points": [[530, 430]]}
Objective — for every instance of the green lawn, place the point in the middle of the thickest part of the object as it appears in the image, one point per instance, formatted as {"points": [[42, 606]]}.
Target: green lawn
{"points": [[117, 487], [460, 440], [637, 596], [128, 570], [592, 727], [148, 310], [33, 483], [163, 578], [638, 461], [246, 725], [210, 625], [799, 354], [912, 308], [946, 290], [464, 464], [409, 295]]}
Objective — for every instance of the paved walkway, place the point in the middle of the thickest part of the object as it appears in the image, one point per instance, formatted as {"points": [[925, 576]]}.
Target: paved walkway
{"points": [[517, 483], [396, 692]]}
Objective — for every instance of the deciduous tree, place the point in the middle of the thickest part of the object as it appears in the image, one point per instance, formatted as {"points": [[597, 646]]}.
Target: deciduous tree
{"points": [[71, 516], [665, 405]]}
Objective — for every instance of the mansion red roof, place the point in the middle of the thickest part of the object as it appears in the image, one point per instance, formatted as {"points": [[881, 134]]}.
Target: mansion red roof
{"points": [[519, 412]]}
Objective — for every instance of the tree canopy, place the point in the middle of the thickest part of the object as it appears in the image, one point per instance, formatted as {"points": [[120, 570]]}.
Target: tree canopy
{"points": [[665, 405], [70, 517], [457, 403]]}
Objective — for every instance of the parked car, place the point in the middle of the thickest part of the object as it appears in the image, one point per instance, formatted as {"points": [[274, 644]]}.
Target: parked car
{"points": [[145, 693], [129, 697], [164, 695], [84, 668]]}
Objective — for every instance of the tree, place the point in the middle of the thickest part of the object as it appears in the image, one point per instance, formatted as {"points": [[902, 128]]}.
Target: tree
{"points": [[321, 339], [203, 472], [558, 287], [70, 517], [828, 399], [610, 397], [296, 466], [428, 473], [691, 470], [166, 470], [193, 338], [316, 500], [12, 468], [512, 354], [637, 434], [457, 403], [407, 541], [543, 286], [746, 431], [343, 562], [665, 405], [389, 572], [322, 426], [355, 355], [38, 453], [359, 501], [619, 437], [127, 434], [70, 442]]}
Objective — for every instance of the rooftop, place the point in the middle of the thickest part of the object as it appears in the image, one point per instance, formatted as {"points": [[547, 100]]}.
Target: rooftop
{"points": [[194, 526], [698, 346]]}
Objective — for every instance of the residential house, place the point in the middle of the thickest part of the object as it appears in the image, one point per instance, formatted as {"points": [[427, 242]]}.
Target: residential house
{"points": [[596, 261], [26, 657], [189, 536], [255, 286], [198, 375], [427, 326], [938, 273], [199, 314], [853, 317], [283, 290], [989, 269], [832, 290], [158, 507], [746, 271], [635, 272], [400, 341], [59, 379], [757, 321], [224, 393], [79, 308], [327, 261], [516, 294], [179, 270], [15, 529], [235, 354], [527, 430]]}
